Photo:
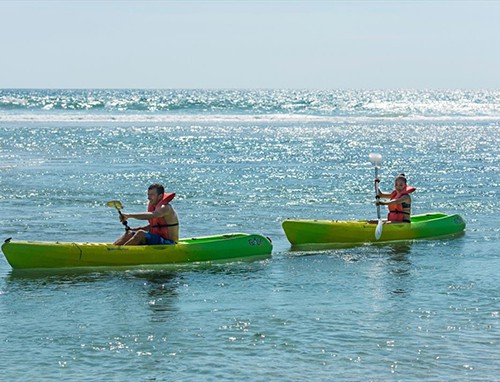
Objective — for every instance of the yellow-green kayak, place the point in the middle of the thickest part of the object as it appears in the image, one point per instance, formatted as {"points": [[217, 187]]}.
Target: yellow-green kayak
{"points": [[235, 246], [363, 231]]}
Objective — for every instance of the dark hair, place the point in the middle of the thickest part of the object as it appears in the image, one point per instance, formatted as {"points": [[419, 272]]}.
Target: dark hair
{"points": [[158, 187], [401, 176]]}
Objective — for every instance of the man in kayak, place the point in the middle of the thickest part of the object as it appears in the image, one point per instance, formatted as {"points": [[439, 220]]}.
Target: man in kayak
{"points": [[163, 227], [399, 200]]}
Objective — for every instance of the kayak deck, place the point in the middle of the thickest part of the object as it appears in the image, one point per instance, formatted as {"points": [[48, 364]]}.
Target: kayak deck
{"points": [[428, 225], [38, 254]]}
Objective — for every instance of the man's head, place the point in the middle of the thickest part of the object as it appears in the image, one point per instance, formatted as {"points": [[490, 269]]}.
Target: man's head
{"points": [[155, 193]]}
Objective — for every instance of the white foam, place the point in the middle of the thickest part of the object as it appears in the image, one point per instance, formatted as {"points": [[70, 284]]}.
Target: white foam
{"points": [[227, 118]]}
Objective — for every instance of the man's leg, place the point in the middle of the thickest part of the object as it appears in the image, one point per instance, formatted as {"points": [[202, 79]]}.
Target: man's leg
{"points": [[124, 238], [138, 239]]}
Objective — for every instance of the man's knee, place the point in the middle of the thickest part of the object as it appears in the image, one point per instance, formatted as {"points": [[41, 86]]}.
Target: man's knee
{"points": [[140, 237], [140, 233]]}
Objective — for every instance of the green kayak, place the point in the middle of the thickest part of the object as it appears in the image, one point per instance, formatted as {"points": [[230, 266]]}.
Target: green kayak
{"points": [[363, 231], [236, 246]]}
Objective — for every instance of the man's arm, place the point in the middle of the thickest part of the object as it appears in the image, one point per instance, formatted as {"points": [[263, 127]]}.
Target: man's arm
{"points": [[164, 211]]}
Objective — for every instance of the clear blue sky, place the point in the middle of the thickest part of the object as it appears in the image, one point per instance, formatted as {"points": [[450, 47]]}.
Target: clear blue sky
{"points": [[250, 44]]}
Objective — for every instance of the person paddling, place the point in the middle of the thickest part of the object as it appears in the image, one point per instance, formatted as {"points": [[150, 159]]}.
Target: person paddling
{"points": [[163, 227], [400, 200]]}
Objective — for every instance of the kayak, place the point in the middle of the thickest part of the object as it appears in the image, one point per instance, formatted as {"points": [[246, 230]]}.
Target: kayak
{"points": [[39, 254], [428, 225]]}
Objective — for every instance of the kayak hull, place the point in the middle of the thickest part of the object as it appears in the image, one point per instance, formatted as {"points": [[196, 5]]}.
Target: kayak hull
{"points": [[363, 231], [33, 254]]}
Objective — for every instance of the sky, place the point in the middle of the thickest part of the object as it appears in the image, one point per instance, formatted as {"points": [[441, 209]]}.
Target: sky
{"points": [[299, 44]]}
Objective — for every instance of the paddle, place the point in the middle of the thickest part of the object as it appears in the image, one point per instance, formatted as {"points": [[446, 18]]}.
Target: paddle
{"points": [[119, 206], [376, 160]]}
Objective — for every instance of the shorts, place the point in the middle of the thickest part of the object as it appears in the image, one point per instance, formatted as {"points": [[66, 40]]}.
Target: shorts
{"points": [[154, 239]]}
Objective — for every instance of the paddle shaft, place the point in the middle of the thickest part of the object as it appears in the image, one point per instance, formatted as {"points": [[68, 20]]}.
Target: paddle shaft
{"points": [[377, 197], [125, 223], [376, 160]]}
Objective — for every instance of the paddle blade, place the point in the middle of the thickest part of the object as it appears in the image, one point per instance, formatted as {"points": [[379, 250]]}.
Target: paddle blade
{"points": [[378, 230], [115, 204], [375, 159]]}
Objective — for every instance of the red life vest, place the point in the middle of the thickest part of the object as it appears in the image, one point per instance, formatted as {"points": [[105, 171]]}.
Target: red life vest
{"points": [[159, 225], [400, 212]]}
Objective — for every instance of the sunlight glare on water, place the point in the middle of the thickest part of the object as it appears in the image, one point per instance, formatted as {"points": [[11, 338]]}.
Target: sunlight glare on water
{"points": [[243, 161]]}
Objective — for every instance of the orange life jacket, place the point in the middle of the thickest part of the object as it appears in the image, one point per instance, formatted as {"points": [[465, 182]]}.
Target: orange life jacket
{"points": [[400, 212], [159, 225]]}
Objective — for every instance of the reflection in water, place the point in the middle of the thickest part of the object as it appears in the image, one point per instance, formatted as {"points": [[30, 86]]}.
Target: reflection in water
{"points": [[161, 284], [37, 278], [161, 291], [398, 258], [391, 258], [399, 250], [312, 247], [399, 266], [353, 251]]}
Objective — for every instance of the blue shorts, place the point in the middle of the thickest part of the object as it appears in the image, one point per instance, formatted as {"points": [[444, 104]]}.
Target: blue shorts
{"points": [[154, 239]]}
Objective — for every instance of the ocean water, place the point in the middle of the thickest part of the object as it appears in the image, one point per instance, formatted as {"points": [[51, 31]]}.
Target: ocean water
{"points": [[243, 161]]}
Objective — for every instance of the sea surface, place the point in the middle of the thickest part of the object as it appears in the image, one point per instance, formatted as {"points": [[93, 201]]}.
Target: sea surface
{"points": [[243, 161]]}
